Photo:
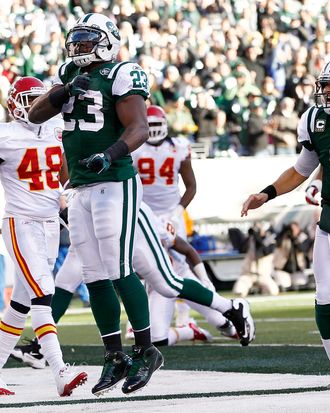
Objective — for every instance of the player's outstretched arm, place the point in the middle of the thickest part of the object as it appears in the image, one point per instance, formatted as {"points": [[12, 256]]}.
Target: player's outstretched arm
{"points": [[289, 180]]}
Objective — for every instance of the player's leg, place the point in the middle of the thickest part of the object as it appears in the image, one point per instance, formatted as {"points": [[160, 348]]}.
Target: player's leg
{"points": [[68, 278], [163, 279], [12, 325], [321, 263], [213, 317], [114, 208], [103, 297], [28, 245], [161, 314]]}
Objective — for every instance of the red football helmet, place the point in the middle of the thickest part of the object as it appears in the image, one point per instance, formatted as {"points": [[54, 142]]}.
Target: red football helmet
{"points": [[157, 124], [18, 97]]}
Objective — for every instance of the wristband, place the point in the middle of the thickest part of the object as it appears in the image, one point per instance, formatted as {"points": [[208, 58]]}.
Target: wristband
{"points": [[270, 190], [59, 97], [118, 150]]}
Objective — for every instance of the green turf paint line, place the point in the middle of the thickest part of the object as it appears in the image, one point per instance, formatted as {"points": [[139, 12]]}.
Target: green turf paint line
{"points": [[169, 397]]}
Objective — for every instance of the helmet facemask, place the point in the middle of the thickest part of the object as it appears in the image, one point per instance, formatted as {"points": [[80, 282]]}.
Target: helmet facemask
{"points": [[322, 99], [85, 45], [157, 130]]}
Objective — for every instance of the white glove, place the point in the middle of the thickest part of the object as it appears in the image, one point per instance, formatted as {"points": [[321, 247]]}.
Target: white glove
{"points": [[176, 216], [200, 272], [312, 190]]}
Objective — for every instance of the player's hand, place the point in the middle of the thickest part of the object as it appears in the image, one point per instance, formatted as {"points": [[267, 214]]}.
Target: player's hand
{"points": [[253, 202], [98, 162], [312, 190], [79, 85]]}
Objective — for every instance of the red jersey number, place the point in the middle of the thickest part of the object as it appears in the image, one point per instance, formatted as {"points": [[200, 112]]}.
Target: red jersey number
{"points": [[146, 168], [29, 168]]}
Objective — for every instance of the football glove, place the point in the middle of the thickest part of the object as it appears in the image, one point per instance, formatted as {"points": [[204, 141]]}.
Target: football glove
{"points": [[312, 190], [98, 162], [79, 85]]}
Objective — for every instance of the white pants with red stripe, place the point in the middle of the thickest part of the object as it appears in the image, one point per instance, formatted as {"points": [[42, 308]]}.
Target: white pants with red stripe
{"points": [[33, 247]]}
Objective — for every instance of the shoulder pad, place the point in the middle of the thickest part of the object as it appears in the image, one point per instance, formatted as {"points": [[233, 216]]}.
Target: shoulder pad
{"points": [[129, 78], [306, 127]]}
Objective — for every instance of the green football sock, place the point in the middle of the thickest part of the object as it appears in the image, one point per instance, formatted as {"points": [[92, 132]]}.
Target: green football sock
{"points": [[60, 303], [322, 317], [194, 291], [105, 306], [135, 301]]}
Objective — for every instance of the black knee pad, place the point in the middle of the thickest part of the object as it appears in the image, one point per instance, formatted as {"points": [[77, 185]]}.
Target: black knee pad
{"points": [[45, 300], [19, 307]]}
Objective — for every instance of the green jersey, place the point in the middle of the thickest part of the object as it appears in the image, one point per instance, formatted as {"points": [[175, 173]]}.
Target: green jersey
{"points": [[91, 123], [314, 134]]}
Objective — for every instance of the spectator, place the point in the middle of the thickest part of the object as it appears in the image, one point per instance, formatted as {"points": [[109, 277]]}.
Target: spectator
{"points": [[257, 265], [283, 128], [180, 120], [289, 257], [257, 138]]}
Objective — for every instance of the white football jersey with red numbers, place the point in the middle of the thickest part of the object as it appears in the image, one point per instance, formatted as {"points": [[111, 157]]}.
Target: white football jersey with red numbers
{"points": [[31, 158], [158, 167]]}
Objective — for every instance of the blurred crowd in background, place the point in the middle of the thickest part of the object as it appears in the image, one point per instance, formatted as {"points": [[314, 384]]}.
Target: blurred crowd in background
{"points": [[233, 74]]}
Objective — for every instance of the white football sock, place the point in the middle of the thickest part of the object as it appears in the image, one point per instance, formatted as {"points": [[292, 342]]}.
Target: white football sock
{"points": [[45, 330], [220, 303], [11, 327]]}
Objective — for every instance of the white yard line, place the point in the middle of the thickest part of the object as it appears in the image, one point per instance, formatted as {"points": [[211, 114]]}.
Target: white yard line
{"points": [[37, 386]]}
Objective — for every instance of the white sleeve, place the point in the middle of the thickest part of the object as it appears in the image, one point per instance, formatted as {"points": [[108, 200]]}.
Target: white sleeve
{"points": [[130, 78], [57, 78], [303, 127], [307, 161]]}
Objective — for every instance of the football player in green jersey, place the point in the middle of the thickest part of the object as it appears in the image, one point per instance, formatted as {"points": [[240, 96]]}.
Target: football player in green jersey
{"points": [[314, 135], [103, 106]]}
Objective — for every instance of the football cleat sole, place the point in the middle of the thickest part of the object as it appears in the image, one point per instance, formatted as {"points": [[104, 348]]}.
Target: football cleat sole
{"points": [[6, 392], [79, 380]]}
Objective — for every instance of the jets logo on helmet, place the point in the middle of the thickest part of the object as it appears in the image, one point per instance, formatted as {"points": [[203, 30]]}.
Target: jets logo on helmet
{"points": [[157, 124], [94, 38], [322, 98], [21, 94]]}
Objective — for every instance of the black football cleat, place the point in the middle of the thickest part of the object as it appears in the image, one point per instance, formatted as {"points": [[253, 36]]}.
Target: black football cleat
{"points": [[116, 367], [145, 363], [241, 317]]}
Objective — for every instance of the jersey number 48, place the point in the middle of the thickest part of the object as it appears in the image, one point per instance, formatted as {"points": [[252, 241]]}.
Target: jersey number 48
{"points": [[29, 168]]}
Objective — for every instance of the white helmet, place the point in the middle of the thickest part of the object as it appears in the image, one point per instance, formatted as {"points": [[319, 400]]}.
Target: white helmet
{"points": [[157, 124], [323, 99], [94, 38]]}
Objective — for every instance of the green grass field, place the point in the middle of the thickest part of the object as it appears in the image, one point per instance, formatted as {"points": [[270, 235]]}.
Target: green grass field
{"points": [[287, 340]]}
